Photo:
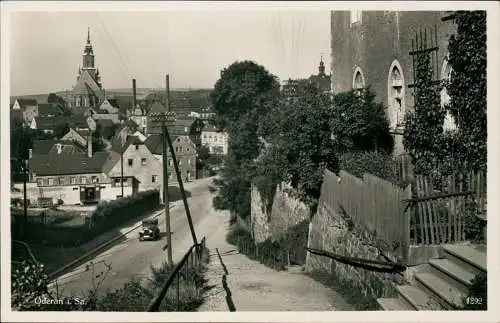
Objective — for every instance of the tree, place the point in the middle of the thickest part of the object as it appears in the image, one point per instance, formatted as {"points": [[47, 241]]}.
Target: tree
{"points": [[55, 99], [203, 157], [301, 146], [359, 123], [241, 99], [467, 88]]}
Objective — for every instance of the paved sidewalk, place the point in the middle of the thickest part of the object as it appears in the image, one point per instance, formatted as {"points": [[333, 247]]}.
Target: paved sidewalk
{"points": [[255, 287]]}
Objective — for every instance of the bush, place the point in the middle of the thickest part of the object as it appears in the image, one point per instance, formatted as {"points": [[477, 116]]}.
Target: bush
{"points": [[274, 254], [376, 163]]}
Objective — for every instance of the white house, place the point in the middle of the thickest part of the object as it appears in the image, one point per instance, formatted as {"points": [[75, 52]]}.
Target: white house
{"points": [[217, 142]]}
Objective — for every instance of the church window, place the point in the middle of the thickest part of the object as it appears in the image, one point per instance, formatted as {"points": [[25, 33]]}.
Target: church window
{"points": [[358, 79], [446, 74], [396, 93]]}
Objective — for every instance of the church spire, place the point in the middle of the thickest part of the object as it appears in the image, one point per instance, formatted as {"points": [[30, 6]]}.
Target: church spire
{"points": [[321, 67], [88, 53]]}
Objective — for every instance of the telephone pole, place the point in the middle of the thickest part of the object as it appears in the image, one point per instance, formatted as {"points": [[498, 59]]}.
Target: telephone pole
{"points": [[165, 172]]}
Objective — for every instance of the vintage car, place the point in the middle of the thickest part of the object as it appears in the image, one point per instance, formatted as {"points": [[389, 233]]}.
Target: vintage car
{"points": [[150, 230]]}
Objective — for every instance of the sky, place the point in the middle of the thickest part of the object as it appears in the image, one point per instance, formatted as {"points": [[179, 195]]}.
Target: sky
{"points": [[191, 46]]}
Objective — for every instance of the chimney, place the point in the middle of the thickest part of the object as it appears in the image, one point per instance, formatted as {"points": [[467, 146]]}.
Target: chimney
{"points": [[167, 92], [89, 145], [134, 96]]}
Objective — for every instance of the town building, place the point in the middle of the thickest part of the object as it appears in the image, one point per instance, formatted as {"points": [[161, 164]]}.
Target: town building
{"points": [[292, 88], [88, 91], [136, 160], [215, 141], [185, 151], [49, 124], [79, 137], [25, 109], [139, 116], [76, 178], [55, 147], [50, 110], [372, 48]]}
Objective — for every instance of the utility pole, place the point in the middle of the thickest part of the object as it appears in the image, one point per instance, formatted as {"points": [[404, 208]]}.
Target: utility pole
{"points": [[25, 179], [165, 172]]}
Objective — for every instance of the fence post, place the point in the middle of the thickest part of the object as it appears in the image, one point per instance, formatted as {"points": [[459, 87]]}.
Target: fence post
{"points": [[406, 228], [177, 292]]}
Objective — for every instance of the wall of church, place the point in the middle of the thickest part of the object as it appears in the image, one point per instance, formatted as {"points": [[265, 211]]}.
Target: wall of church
{"points": [[375, 44]]}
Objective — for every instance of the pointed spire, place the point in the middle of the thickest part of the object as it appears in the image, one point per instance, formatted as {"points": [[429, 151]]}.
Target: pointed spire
{"points": [[88, 34], [321, 66]]}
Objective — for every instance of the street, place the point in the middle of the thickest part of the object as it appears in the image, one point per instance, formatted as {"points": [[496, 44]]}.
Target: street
{"points": [[131, 258]]}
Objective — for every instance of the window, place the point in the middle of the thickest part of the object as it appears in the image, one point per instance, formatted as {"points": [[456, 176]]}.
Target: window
{"points": [[39, 182], [187, 149], [154, 178], [446, 74], [136, 147], [143, 161], [95, 179], [396, 95], [83, 180], [358, 79], [176, 149], [356, 16], [185, 129], [189, 161], [130, 162], [179, 162], [117, 180], [72, 180], [51, 181], [60, 180]]}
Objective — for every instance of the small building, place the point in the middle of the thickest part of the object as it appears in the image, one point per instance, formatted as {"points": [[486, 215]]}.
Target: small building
{"points": [[78, 136], [215, 141], [49, 124], [50, 110], [110, 105], [76, 178], [55, 147], [137, 160], [27, 108], [185, 151]]}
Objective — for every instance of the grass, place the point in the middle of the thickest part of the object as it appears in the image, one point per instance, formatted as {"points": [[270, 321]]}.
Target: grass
{"points": [[136, 296]]}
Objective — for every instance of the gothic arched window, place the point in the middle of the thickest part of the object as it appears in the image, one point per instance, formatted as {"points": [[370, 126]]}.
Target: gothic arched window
{"points": [[396, 95], [358, 79]]}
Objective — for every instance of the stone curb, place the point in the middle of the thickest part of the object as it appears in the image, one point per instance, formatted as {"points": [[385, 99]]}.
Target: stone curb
{"points": [[83, 258]]}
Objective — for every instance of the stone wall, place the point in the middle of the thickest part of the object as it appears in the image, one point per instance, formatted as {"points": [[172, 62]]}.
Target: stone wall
{"points": [[330, 231], [287, 211]]}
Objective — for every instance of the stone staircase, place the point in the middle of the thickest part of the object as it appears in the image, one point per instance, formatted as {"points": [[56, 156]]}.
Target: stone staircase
{"points": [[444, 285]]}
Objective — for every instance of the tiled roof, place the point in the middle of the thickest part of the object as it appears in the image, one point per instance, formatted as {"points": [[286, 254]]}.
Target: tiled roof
{"points": [[49, 123], [44, 147], [209, 127], [155, 144], [156, 108], [104, 122], [26, 102], [73, 164], [83, 132], [82, 88], [48, 109], [114, 103], [118, 147]]}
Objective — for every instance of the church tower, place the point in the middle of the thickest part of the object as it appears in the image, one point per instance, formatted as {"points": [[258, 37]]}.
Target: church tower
{"points": [[88, 91]]}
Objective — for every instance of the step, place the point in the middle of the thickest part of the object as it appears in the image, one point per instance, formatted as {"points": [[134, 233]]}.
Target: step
{"points": [[446, 294], [467, 257], [453, 273], [416, 299], [392, 304]]}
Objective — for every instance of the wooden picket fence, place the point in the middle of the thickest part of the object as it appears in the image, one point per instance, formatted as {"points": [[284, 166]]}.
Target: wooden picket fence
{"points": [[371, 202], [438, 216]]}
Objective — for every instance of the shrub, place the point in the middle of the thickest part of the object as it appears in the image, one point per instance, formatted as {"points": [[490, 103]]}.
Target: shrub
{"points": [[376, 163]]}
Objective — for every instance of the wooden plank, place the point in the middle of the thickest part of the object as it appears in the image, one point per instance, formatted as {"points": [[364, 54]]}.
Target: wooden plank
{"points": [[461, 209], [422, 215], [449, 210], [432, 220]]}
